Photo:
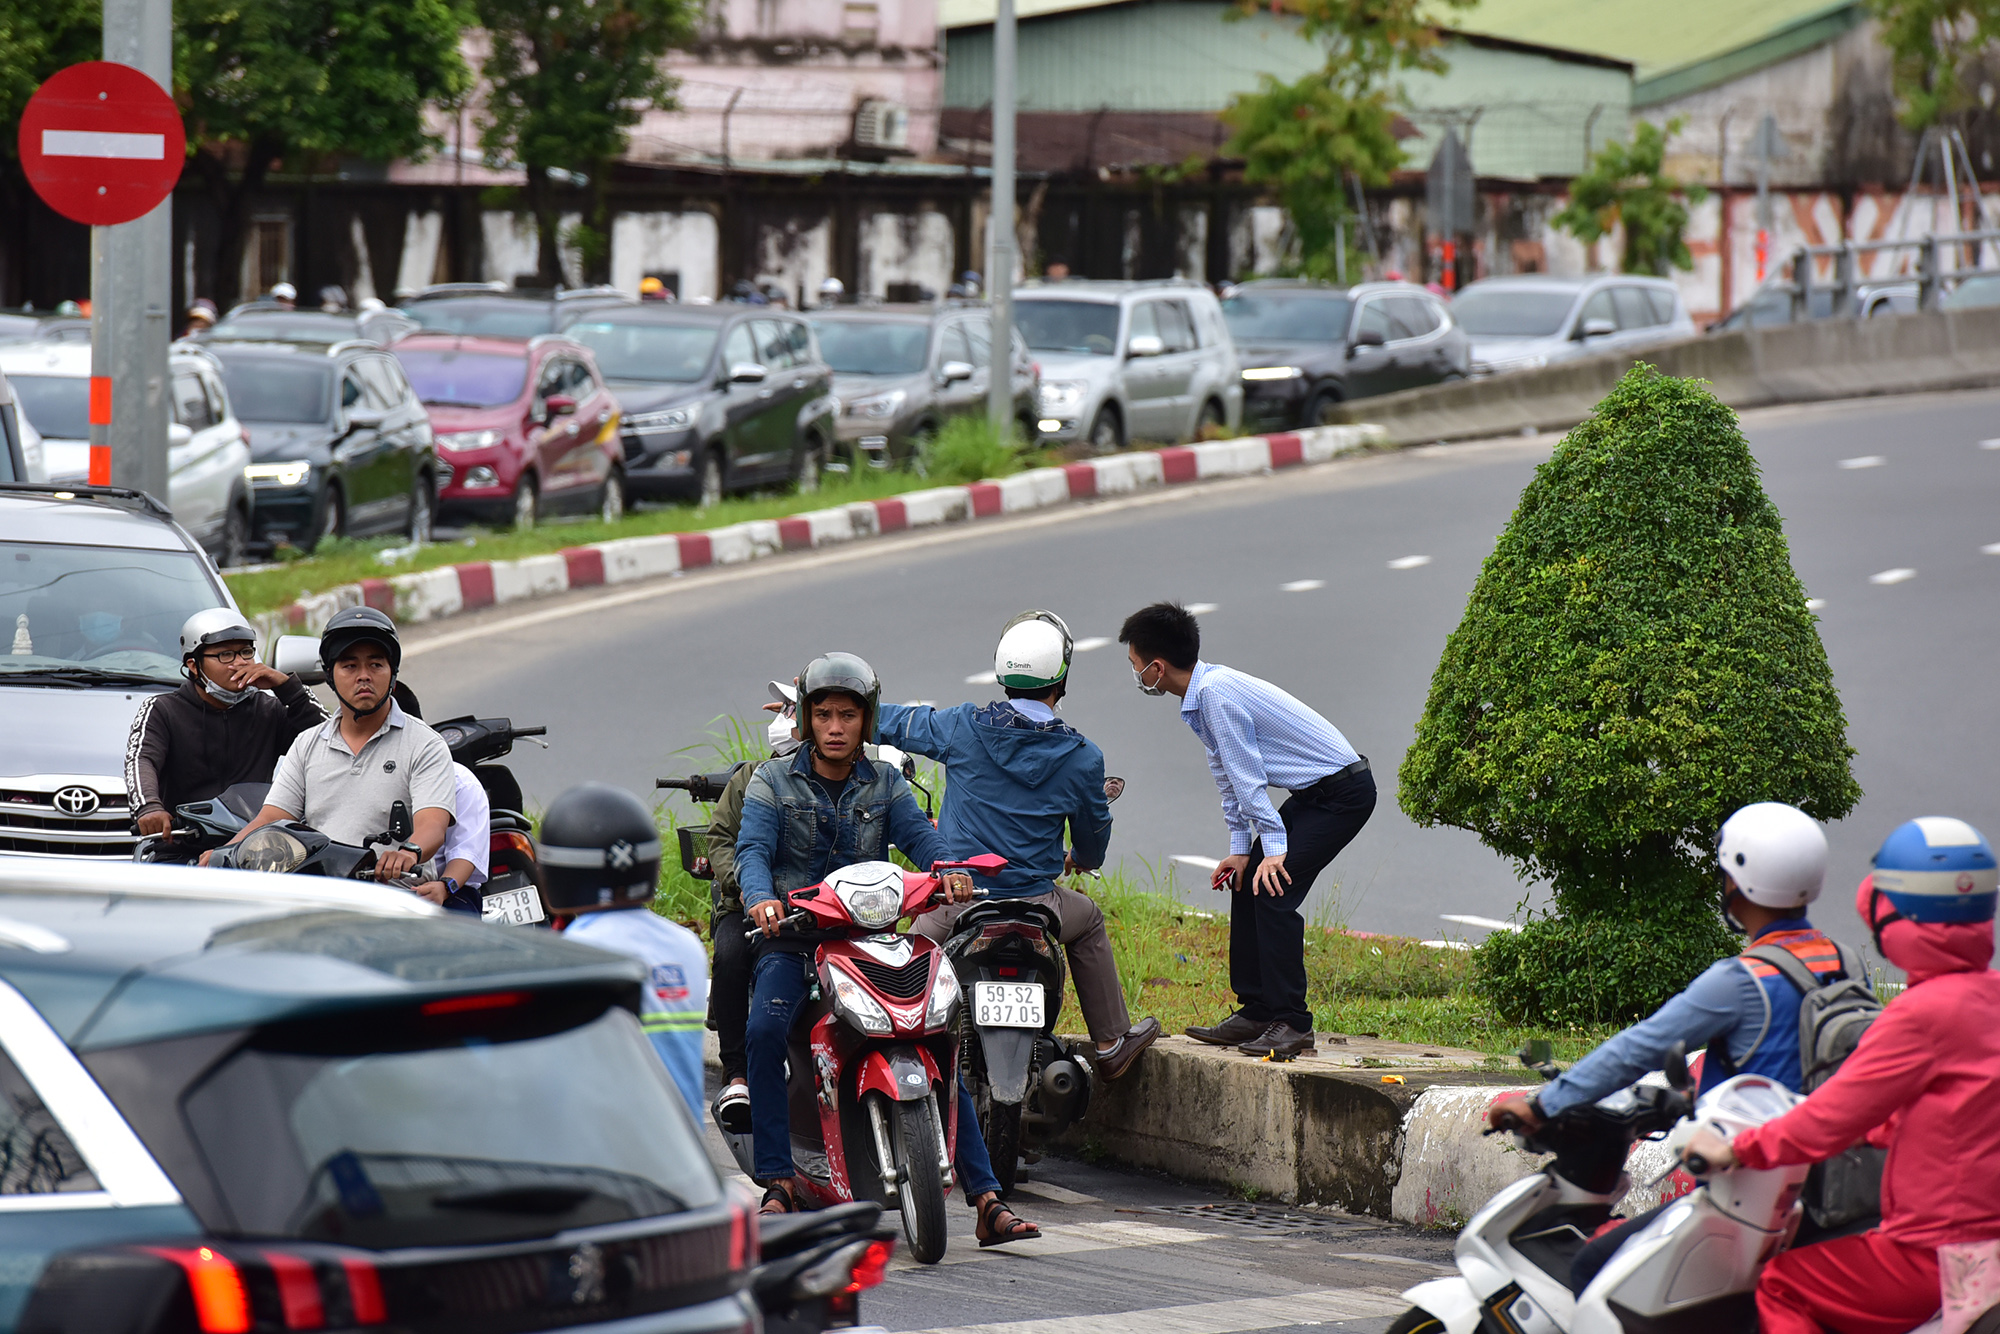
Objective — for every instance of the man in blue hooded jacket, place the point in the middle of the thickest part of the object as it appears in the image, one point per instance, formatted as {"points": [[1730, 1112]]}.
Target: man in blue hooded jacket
{"points": [[1016, 777]]}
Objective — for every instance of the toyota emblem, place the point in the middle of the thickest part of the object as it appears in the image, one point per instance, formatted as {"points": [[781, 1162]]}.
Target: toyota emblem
{"points": [[76, 801]]}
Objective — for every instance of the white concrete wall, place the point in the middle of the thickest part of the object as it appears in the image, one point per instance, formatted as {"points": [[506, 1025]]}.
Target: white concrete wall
{"points": [[906, 248], [511, 246], [685, 243], [796, 258], [423, 233]]}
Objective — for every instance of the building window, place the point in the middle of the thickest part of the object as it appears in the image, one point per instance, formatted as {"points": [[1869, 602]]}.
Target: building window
{"points": [[859, 22]]}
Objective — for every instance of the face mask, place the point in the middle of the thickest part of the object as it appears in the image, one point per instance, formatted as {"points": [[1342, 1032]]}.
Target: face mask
{"points": [[229, 699], [1139, 680], [779, 735], [99, 627]]}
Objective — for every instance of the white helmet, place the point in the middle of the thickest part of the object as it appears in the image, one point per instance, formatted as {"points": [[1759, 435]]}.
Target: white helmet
{"points": [[832, 287], [1775, 853], [217, 625], [1034, 651]]}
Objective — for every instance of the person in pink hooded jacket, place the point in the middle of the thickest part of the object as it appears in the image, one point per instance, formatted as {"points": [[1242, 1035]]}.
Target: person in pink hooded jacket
{"points": [[1924, 1082]]}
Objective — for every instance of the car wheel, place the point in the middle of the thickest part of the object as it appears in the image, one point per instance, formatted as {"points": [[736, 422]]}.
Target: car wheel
{"points": [[423, 510], [235, 546], [527, 502], [1211, 423], [711, 478], [332, 517], [611, 508], [805, 473], [1107, 432], [1323, 409]]}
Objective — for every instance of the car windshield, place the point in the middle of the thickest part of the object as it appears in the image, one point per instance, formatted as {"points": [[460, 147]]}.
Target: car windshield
{"points": [[873, 347], [1511, 312], [1068, 326], [56, 405], [447, 377], [305, 325], [1264, 316], [463, 1142], [269, 390], [648, 349], [487, 319], [73, 613]]}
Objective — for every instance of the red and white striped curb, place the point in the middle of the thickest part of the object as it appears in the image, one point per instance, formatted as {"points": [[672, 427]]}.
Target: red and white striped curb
{"points": [[448, 590]]}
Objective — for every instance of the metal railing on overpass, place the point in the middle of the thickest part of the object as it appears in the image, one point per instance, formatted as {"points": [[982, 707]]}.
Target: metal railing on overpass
{"points": [[1933, 279]]}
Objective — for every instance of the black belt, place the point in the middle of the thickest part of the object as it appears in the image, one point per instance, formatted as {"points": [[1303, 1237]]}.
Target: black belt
{"points": [[1328, 783]]}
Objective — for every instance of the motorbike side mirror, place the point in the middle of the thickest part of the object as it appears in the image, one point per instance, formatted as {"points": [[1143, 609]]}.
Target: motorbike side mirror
{"points": [[1114, 788], [1676, 1068], [986, 863], [298, 655], [1539, 1055], [400, 824]]}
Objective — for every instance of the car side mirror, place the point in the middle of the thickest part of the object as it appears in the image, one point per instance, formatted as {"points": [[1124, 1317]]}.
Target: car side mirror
{"points": [[1145, 345], [178, 435], [298, 655], [559, 405], [1596, 329], [1366, 338], [953, 371], [400, 824], [747, 372], [1676, 1067]]}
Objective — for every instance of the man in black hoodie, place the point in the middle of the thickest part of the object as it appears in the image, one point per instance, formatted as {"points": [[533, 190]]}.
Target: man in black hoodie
{"points": [[228, 723]]}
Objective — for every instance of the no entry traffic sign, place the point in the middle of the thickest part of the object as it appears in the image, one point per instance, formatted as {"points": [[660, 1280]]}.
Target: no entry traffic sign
{"points": [[102, 143]]}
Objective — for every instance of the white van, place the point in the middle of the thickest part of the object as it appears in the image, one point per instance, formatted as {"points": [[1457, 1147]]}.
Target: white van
{"points": [[207, 447]]}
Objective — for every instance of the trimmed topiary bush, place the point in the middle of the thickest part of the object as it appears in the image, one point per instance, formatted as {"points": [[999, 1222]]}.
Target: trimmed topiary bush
{"points": [[1635, 662]]}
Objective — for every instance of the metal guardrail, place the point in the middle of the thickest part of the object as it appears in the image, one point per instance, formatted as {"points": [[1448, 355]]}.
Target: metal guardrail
{"points": [[1930, 276]]}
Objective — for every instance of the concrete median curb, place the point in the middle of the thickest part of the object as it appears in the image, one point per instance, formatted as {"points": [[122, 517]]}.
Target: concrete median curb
{"points": [[432, 595]]}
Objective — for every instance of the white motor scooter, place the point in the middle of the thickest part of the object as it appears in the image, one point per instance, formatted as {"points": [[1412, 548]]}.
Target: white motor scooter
{"points": [[1693, 1268]]}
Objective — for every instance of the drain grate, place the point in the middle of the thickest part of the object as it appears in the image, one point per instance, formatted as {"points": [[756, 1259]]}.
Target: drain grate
{"points": [[1272, 1220]]}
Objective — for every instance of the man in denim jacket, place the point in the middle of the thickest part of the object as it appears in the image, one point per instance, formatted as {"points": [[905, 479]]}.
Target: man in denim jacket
{"points": [[824, 807]]}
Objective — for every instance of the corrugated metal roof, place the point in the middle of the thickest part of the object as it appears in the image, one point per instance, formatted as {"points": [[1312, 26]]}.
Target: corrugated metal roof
{"points": [[1529, 111], [1656, 38]]}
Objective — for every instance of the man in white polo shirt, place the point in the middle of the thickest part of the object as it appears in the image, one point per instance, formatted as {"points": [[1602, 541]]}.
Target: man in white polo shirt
{"points": [[343, 778]]}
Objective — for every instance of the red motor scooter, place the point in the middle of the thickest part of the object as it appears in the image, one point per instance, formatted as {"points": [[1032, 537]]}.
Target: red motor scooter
{"points": [[873, 1063]]}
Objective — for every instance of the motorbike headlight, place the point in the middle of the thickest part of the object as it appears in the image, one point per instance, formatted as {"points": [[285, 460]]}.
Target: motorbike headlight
{"points": [[944, 995], [467, 439], [853, 1002], [270, 849], [1061, 395], [874, 906], [879, 406]]}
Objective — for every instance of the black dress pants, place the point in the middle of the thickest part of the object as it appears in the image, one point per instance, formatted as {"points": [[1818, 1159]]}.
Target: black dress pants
{"points": [[729, 991], [1267, 936]]}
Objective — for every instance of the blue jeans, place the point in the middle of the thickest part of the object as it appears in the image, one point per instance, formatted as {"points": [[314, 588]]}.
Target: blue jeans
{"points": [[782, 983]]}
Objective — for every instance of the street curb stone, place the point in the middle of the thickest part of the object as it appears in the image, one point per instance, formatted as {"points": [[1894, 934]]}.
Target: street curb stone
{"points": [[433, 595]]}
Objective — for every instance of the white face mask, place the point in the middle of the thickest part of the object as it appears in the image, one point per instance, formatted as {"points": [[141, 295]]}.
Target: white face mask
{"points": [[779, 734], [229, 699], [1139, 680]]}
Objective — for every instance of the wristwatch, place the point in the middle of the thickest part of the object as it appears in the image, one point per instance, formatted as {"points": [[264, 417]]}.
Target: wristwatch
{"points": [[451, 887]]}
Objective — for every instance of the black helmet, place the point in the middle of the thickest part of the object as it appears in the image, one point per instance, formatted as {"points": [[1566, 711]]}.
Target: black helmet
{"points": [[599, 849], [847, 674], [355, 625]]}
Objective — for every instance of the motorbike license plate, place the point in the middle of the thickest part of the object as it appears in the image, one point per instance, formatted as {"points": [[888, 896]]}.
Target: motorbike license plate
{"points": [[512, 907], [1007, 1004]]}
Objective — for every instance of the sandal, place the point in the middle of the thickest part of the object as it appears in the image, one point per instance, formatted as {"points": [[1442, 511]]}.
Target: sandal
{"points": [[993, 1231], [780, 1197], [732, 1108]]}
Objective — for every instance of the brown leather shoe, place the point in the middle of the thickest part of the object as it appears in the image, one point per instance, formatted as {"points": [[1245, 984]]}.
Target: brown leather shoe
{"points": [[1229, 1032], [1118, 1058], [1281, 1038]]}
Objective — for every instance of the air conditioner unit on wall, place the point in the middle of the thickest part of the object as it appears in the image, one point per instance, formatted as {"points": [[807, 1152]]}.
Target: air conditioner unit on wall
{"points": [[882, 126]]}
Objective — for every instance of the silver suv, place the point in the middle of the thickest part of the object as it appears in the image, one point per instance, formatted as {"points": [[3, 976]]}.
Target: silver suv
{"points": [[1124, 361]]}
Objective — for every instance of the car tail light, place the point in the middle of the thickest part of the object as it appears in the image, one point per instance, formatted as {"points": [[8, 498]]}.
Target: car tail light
{"points": [[221, 1305], [488, 1000], [873, 1266], [298, 1291], [364, 1291]]}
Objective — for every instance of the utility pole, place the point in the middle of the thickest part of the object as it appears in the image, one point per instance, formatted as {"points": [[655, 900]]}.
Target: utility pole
{"points": [[1767, 146], [131, 286], [1000, 227]]}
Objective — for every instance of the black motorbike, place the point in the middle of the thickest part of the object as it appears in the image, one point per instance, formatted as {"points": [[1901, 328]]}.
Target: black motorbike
{"points": [[291, 847], [813, 1267], [512, 893]]}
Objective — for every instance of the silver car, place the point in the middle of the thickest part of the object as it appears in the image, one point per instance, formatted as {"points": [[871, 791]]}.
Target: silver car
{"points": [[1124, 361], [902, 372], [1533, 320]]}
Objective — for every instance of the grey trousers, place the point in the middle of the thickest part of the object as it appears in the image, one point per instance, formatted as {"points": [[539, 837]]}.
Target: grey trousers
{"points": [[1086, 943]]}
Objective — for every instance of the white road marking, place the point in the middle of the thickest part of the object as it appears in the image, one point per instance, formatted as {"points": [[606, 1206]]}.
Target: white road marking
{"points": [[1865, 461], [1815, 604], [1202, 608], [1393, 1260], [104, 143], [1302, 585], [983, 679], [1094, 642], [1990, 444], [1409, 562], [1491, 923], [1991, 549], [1199, 863], [1048, 1190], [1444, 944], [1895, 576], [1298, 1308], [1062, 1239]]}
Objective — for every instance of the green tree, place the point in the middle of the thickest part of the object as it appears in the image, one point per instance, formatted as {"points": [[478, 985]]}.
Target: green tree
{"points": [[1304, 140], [1932, 45], [37, 38], [291, 83], [1636, 662], [565, 84], [1628, 183]]}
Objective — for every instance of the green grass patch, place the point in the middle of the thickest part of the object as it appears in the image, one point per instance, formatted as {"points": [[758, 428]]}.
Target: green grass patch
{"points": [[968, 449]]}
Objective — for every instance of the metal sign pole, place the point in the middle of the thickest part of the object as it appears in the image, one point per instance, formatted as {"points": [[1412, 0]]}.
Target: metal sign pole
{"points": [[1000, 227], [131, 267]]}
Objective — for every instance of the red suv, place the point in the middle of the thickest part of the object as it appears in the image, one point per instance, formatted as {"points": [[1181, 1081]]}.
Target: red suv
{"points": [[527, 426]]}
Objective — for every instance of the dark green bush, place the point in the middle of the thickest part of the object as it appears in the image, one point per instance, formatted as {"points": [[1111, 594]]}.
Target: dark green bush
{"points": [[1635, 662]]}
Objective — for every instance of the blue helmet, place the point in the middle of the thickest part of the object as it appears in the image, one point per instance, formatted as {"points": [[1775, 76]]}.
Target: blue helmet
{"points": [[1938, 869]]}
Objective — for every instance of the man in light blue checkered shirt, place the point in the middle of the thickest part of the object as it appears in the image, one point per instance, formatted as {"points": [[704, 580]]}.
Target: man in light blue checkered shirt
{"points": [[1259, 737]]}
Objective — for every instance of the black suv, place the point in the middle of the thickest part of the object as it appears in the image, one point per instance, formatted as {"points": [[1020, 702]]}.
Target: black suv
{"points": [[491, 310], [340, 445], [717, 398], [1308, 347], [239, 1102]]}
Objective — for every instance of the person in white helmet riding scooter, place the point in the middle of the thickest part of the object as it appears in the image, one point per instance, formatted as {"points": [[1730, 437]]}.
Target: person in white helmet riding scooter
{"points": [[1742, 1009]]}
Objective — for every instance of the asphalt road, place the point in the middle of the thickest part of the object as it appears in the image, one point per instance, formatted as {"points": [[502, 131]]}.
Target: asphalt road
{"points": [[1339, 583]]}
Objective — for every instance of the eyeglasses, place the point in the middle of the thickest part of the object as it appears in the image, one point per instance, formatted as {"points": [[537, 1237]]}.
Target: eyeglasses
{"points": [[227, 656]]}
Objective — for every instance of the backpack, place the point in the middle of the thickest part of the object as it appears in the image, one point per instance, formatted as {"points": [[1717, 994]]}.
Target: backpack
{"points": [[1833, 1014]]}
